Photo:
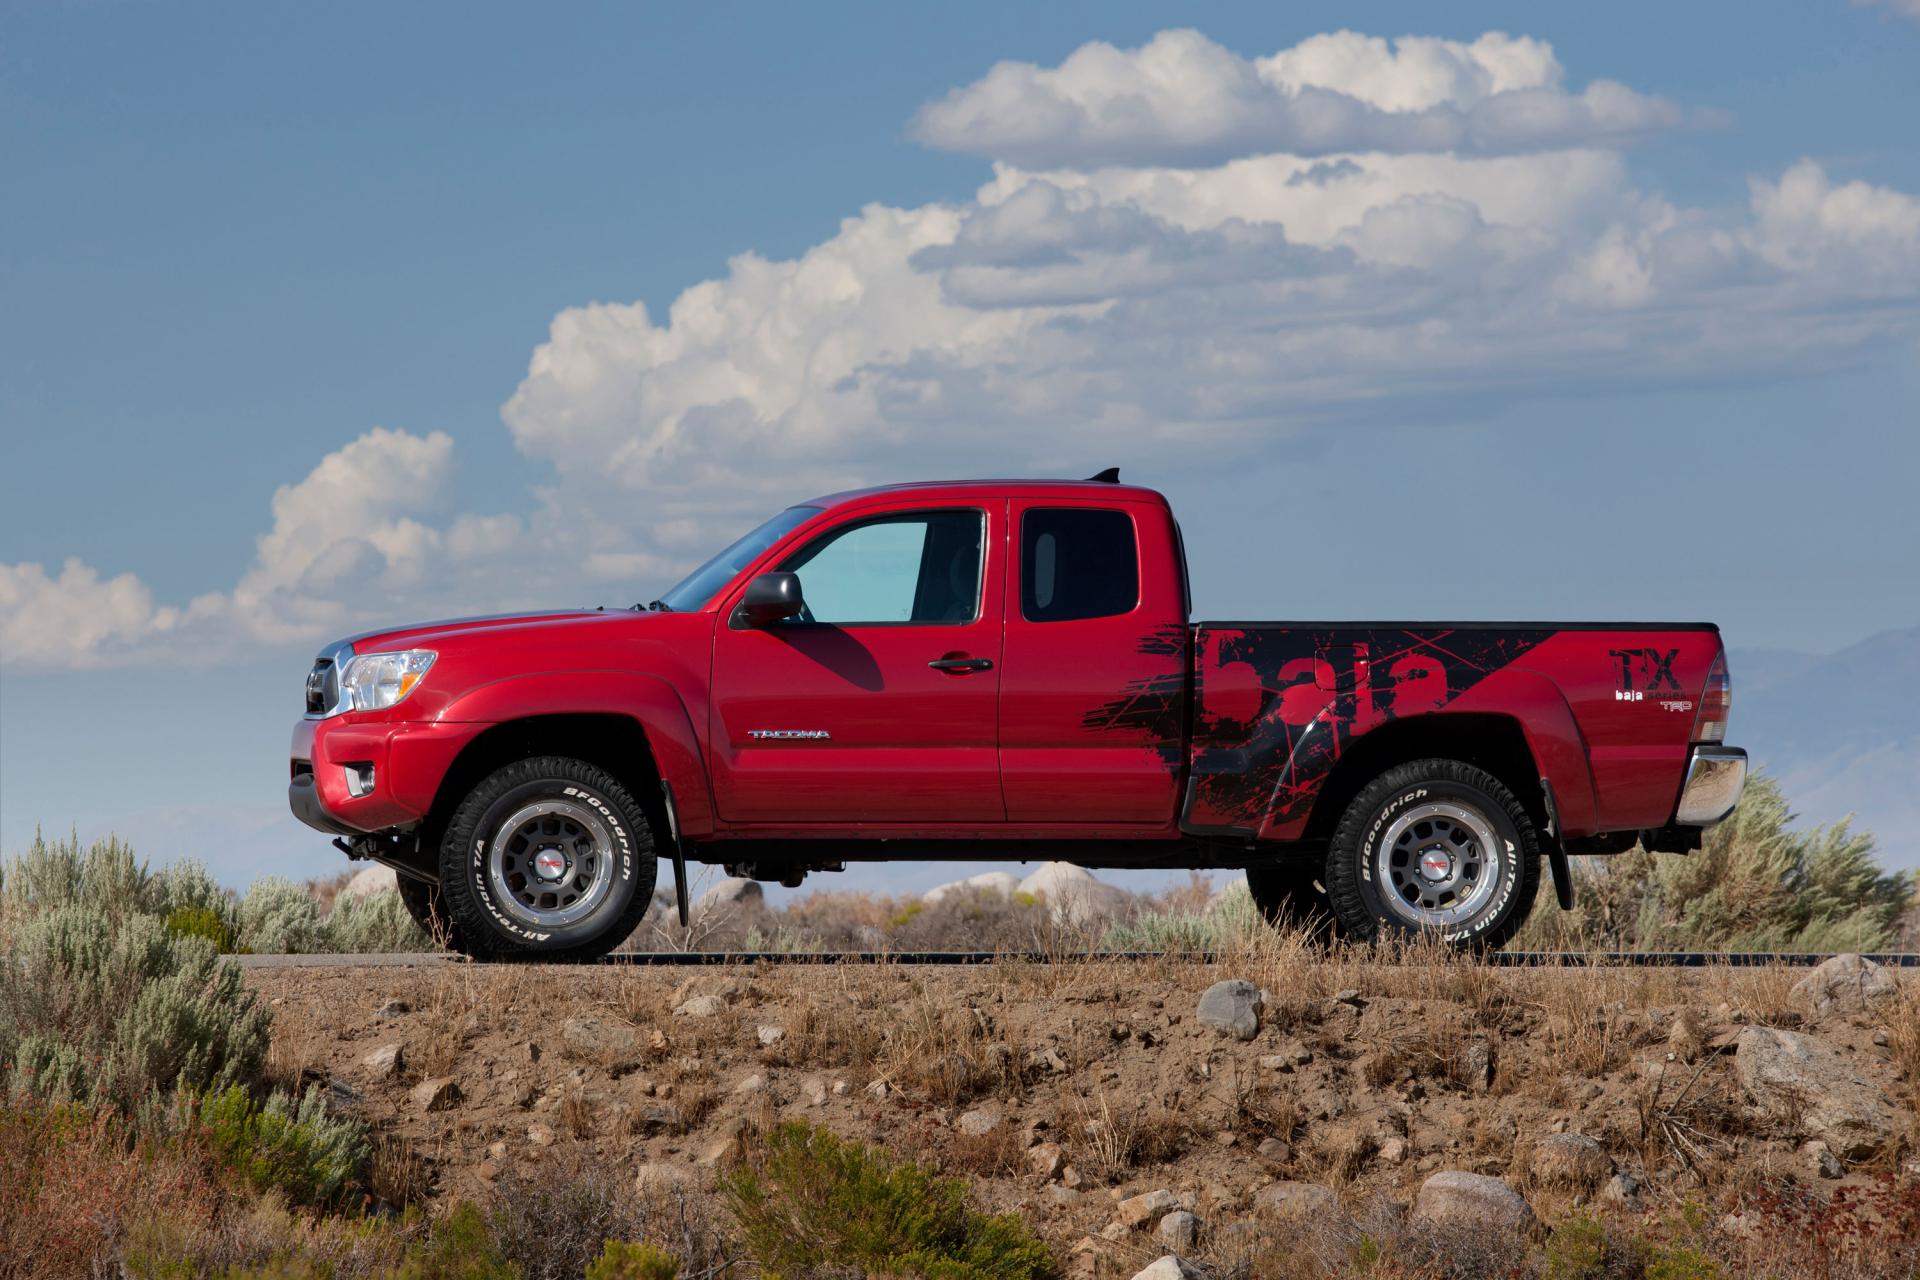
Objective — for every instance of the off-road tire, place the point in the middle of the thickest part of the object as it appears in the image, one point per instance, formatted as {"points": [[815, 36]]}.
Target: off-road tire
{"points": [[482, 927], [1290, 895], [1355, 890], [422, 901]]}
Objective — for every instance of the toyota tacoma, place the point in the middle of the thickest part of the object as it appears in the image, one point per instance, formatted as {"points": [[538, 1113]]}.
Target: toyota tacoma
{"points": [[999, 670]]}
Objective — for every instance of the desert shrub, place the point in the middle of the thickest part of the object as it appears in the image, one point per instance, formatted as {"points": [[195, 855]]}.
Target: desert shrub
{"points": [[460, 1247], [623, 1261], [94, 1011], [1754, 885], [278, 916], [301, 1151], [201, 922], [71, 1177], [105, 878], [1179, 928], [377, 922], [551, 1224], [820, 1204]]}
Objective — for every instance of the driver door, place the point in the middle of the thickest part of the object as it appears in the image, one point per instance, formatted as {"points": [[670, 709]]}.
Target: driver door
{"points": [[878, 704]]}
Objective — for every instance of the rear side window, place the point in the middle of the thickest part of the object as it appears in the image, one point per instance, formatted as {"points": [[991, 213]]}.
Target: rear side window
{"points": [[1076, 563]]}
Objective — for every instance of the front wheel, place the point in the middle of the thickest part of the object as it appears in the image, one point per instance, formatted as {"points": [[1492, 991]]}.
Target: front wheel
{"points": [[1435, 846], [547, 859]]}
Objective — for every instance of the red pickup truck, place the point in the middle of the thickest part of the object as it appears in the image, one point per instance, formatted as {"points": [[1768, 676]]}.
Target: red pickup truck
{"points": [[999, 669]]}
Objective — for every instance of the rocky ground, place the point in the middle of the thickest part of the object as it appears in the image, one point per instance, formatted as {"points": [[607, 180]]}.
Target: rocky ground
{"points": [[1282, 1113]]}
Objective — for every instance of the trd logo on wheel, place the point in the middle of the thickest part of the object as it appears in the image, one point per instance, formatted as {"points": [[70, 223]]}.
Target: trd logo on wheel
{"points": [[1644, 671]]}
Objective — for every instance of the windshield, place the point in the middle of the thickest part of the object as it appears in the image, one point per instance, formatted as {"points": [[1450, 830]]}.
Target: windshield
{"points": [[698, 587]]}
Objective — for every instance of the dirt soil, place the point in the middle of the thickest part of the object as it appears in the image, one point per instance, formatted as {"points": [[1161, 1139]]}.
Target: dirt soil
{"points": [[1363, 1077]]}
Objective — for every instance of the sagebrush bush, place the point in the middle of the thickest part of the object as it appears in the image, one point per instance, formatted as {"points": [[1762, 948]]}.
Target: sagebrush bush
{"points": [[279, 917], [97, 1011], [1754, 885], [551, 1224], [621, 1260], [822, 1205], [107, 879], [301, 1151], [378, 922], [1230, 918]]}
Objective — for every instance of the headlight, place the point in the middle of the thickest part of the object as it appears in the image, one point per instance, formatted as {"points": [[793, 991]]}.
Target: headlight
{"points": [[375, 681]]}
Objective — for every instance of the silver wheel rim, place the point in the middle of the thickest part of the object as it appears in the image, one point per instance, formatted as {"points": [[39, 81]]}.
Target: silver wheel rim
{"points": [[551, 864], [1439, 864]]}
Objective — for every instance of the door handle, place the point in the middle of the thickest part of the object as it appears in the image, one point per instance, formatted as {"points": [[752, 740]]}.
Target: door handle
{"points": [[962, 664]]}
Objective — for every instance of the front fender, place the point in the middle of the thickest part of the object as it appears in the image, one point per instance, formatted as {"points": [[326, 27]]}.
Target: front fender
{"points": [[648, 699]]}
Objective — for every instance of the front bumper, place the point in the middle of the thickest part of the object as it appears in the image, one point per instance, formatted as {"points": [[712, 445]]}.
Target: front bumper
{"points": [[405, 761], [1715, 778]]}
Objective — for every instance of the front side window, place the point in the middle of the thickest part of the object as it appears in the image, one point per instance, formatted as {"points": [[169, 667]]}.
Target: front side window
{"points": [[1077, 563], [922, 566]]}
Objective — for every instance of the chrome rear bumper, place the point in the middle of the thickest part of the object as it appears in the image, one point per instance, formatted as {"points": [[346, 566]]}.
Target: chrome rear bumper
{"points": [[1715, 777]]}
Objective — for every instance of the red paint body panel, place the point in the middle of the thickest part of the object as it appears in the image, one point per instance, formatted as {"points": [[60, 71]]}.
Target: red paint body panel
{"points": [[1134, 726]]}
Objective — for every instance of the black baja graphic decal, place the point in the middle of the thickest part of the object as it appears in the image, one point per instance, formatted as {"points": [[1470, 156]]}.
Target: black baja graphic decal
{"points": [[1154, 709], [1276, 709]]}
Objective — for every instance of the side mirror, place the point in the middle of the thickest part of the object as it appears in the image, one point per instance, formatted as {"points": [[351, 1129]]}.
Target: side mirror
{"points": [[769, 598]]}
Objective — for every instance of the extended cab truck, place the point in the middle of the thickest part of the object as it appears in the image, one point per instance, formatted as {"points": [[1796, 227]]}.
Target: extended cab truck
{"points": [[999, 670]]}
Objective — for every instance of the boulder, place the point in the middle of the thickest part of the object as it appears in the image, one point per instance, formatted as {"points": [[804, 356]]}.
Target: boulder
{"points": [[731, 892], [1179, 1231], [1297, 1202], [1073, 896], [384, 1063], [1795, 1078], [1166, 1267], [978, 1123], [368, 881], [1146, 1209], [1572, 1161], [1232, 1008], [1472, 1202], [1845, 984], [436, 1094], [1002, 884], [1047, 1160], [613, 1045], [700, 1007]]}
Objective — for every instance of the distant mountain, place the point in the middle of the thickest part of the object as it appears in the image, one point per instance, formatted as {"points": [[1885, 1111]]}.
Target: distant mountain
{"points": [[1841, 732]]}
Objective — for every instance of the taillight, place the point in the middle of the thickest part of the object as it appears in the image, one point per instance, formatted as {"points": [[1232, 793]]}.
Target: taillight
{"points": [[1716, 700]]}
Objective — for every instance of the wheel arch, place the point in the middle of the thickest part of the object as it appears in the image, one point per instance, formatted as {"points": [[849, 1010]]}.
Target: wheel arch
{"points": [[608, 740], [1487, 740]]}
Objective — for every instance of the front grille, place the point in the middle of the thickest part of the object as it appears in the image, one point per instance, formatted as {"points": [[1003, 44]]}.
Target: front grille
{"points": [[323, 687]]}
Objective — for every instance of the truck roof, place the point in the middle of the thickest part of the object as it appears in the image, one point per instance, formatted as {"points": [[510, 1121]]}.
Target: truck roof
{"points": [[973, 490]]}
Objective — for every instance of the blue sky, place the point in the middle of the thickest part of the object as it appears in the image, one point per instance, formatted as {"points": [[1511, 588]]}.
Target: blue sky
{"points": [[1629, 360]]}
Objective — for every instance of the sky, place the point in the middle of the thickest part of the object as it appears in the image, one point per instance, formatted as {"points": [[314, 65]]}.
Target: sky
{"points": [[313, 319]]}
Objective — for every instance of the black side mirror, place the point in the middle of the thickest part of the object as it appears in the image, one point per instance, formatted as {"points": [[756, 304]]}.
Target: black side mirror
{"points": [[769, 598]]}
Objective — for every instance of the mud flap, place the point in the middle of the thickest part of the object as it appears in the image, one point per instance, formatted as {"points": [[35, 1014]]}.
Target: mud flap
{"points": [[679, 854], [1557, 851], [1562, 876]]}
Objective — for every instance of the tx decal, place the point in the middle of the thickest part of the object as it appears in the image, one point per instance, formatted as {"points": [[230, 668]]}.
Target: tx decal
{"points": [[1644, 671]]}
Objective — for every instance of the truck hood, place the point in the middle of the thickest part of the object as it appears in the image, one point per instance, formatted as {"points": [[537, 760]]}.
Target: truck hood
{"points": [[427, 634]]}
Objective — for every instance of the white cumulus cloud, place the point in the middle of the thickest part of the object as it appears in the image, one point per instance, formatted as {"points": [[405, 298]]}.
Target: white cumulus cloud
{"points": [[1181, 99]]}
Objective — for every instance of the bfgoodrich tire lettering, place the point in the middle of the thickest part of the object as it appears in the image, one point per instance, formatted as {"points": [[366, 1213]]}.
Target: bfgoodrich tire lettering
{"points": [[1465, 827], [602, 848]]}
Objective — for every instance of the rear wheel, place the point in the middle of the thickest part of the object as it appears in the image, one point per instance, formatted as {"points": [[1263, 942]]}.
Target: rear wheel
{"points": [[1290, 895], [549, 859], [1435, 846]]}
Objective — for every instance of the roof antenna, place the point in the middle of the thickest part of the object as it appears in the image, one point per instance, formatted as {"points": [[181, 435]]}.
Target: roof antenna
{"points": [[1110, 476]]}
